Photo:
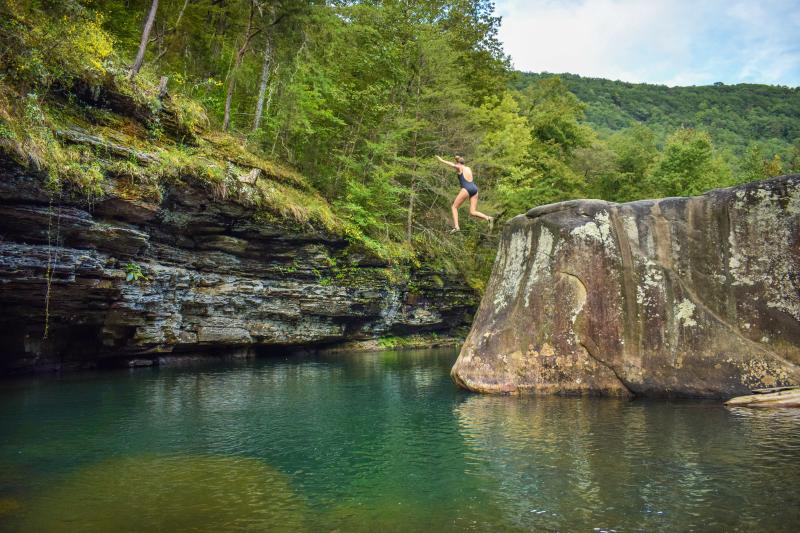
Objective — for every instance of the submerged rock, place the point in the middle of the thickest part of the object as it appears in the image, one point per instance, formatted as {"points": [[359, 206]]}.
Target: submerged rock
{"points": [[167, 493], [679, 296], [137, 281]]}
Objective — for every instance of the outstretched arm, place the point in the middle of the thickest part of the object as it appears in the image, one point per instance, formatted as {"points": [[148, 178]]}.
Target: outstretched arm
{"points": [[446, 162]]}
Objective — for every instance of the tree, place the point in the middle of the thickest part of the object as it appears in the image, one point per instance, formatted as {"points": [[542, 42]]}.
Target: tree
{"points": [[249, 33], [262, 86], [688, 166], [554, 113], [773, 167], [635, 149], [598, 165], [148, 25], [172, 30], [757, 165], [507, 141], [553, 118], [634, 152], [278, 12], [793, 161]]}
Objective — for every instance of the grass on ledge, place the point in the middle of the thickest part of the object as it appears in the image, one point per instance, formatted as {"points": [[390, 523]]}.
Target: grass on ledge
{"points": [[29, 135]]}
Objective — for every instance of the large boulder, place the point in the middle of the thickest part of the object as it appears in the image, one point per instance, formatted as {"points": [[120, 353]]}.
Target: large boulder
{"points": [[674, 297]]}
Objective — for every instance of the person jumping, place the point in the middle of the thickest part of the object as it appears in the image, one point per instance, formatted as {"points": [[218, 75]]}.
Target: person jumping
{"points": [[468, 189]]}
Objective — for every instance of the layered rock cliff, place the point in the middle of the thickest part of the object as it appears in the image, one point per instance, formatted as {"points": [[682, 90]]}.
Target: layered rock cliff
{"points": [[680, 296], [118, 279]]}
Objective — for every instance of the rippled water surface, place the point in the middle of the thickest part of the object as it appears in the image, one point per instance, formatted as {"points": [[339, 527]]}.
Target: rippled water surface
{"points": [[379, 442]]}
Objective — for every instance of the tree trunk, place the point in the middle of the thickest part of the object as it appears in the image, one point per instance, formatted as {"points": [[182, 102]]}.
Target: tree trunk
{"points": [[226, 119], [248, 36], [414, 158], [271, 91], [291, 80], [410, 210], [151, 17], [262, 88], [174, 29], [162, 87]]}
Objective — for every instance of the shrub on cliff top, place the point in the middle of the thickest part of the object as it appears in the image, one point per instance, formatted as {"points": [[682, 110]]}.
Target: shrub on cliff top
{"points": [[41, 48]]}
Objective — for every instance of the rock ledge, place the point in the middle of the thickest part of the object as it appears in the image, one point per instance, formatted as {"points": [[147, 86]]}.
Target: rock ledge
{"points": [[218, 279]]}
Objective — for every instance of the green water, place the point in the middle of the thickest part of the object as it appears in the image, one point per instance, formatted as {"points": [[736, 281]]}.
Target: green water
{"points": [[378, 442]]}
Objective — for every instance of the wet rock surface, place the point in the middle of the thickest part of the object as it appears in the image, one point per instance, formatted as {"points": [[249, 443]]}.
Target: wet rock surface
{"points": [[674, 297], [216, 278]]}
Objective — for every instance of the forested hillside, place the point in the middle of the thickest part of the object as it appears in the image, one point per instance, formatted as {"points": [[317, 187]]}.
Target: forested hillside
{"points": [[345, 104], [735, 115], [747, 131]]}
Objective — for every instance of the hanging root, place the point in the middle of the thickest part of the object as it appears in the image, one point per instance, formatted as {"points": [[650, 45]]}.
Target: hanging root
{"points": [[51, 262]]}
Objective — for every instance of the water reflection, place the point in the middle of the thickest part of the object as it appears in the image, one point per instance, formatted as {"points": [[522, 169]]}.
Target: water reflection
{"points": [[365, 442], [558, 463]]}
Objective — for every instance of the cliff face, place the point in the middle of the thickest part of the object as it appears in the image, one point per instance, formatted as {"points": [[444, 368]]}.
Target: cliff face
{"points": [[680, 296], [217, 277]]}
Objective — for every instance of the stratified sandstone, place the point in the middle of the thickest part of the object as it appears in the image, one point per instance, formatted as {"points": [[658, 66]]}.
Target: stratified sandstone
{"points": [[680, 296], [218, 278]]}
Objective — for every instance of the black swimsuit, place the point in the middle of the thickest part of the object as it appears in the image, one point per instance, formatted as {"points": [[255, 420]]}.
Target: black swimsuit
{"points": [[470, 186]]}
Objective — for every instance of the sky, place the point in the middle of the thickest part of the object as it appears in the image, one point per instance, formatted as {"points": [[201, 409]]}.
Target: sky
{"points": [[670, 42]]}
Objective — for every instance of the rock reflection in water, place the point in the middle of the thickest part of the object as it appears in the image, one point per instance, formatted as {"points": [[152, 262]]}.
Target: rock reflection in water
{"points": [[567, 464]]}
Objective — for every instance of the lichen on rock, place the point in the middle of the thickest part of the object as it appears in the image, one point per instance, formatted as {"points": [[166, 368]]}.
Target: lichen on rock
{"points": [[675, 297]]}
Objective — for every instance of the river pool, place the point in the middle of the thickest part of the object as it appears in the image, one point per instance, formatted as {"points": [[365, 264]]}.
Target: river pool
{"points": [[378, 442]]}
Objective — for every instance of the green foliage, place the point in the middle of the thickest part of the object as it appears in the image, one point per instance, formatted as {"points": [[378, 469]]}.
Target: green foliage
{"points": [[388, 343], [635, 154], [359, 98], [757, 165], [554, 133], [651, 141], [504, 148], [688, 166], [7, 132], [57, 44], [29, 139], [133, 273], [793, 160], [734, 115], [554, 114]]}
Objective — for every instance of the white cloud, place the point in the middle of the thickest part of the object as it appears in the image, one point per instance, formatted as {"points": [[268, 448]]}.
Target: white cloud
{"points": [[660, 41]]}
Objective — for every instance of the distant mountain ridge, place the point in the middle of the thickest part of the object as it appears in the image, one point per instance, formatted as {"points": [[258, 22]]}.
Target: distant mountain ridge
{"points": [[734, 115]]}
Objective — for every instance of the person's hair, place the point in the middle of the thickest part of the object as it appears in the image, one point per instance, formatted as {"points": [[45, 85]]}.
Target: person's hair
{"points": [[459, 160]]}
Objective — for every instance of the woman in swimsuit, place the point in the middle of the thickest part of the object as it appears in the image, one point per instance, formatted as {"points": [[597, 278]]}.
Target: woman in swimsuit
{"points": [[468, 190]]}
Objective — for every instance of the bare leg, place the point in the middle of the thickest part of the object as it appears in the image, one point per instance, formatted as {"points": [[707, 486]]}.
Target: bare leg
{"points": [[473, 209], [460, 197]]}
